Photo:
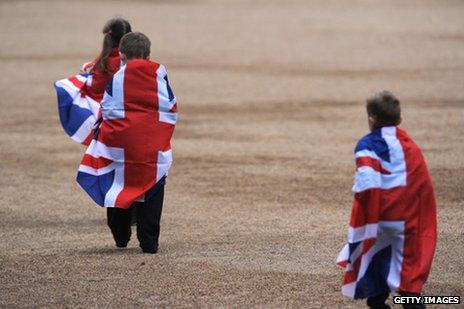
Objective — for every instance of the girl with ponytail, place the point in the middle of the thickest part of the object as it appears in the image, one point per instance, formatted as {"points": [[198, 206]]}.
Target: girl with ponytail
{"points": [[79, 96], [108, 62]]}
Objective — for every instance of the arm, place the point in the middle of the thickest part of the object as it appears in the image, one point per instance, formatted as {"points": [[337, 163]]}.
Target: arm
{"points": [[88, 67]]}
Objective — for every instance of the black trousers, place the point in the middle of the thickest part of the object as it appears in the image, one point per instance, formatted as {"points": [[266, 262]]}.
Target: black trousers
{"points": [[378, 301], [148, 216]]}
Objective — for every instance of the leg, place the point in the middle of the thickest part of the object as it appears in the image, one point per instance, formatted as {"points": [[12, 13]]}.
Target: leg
{"points": [[133, 211], [148, 221], [378, 301], [119, 222], [412, 306]]}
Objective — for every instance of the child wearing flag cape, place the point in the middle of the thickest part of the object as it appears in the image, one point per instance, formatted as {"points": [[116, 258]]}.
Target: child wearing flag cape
{"points": [[392, 233], [127, 161], [108, 62], [79, 96]]}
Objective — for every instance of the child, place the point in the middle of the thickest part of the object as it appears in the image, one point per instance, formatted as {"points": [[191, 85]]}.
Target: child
{"points": [[127, 161], [108, 62], [392, 233], [79, 96]]}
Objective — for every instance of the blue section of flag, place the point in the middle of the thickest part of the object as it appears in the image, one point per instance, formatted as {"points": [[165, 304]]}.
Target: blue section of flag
{"points": [[352, 247], [374, 142], [150, 193], [96, 186], [71, 116], [170, 93], [109, 88], [374, 281]]}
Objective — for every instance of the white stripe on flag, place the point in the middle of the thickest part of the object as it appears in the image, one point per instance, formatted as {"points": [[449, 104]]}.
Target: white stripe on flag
{"points": [[98, 149], [349, 289], [84, 130], [362, 233], [366, 153], [69, 87], [344, 254], [117, 186], [366, 178], [96, 172], [164, 104], [163, 164], [113, 105], [395, 231]]}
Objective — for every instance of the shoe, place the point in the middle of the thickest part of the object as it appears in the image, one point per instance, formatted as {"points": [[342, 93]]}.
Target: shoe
{"points": [[150, 250], [121, 245]]}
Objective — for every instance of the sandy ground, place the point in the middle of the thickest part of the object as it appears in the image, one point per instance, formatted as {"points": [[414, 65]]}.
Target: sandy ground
{"points": [[271, 104]]}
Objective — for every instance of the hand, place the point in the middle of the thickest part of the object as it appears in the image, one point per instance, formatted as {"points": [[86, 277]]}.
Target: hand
{"points": [[87, 67]]}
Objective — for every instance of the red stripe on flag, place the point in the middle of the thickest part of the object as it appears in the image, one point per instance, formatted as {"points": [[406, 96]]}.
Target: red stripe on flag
{"points": [[76, 82], [174, 109], [366, 207], [95, 163], [352, 275], [368, 244], [371, 162], [343, 263], [88, 139]]}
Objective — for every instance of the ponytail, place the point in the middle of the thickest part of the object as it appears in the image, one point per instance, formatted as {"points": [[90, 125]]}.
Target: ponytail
{"points": [[105, 53], [113, 30]]}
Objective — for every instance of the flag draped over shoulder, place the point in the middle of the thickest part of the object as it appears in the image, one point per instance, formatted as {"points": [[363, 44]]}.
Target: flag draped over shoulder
{"points": [[79, 97], [392, 233], [78, 111], [129, 150]]}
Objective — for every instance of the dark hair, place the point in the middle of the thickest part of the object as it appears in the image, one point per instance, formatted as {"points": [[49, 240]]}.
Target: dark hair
{"points": [[385, 108], [113, 30], [135, 45]]}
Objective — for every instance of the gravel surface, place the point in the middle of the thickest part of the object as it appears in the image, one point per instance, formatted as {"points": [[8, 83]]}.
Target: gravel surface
{"points": [[271, 98]]}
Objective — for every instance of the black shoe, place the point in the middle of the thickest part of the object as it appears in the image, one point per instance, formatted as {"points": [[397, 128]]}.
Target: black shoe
{"points": [[150, 250], [121, 245], [378, 301]]}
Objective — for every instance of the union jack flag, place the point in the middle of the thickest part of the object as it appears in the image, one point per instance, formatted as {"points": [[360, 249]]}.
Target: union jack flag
{"points": [[130, 150], [392, 233]]}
